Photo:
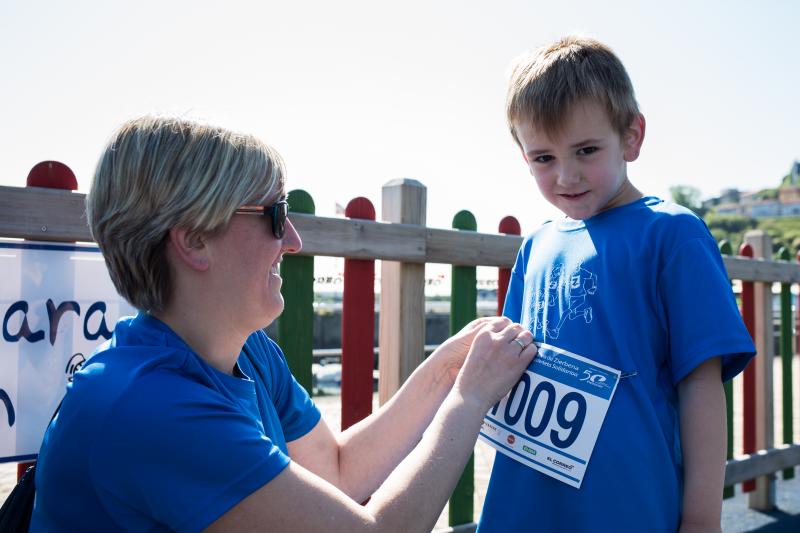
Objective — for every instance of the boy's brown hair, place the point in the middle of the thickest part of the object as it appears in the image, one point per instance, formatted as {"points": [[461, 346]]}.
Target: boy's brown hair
{"points": [[548, 83]]}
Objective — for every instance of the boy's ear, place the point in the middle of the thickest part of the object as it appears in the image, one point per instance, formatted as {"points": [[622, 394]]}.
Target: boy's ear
{"points": [[633, 139], [190, 248]]}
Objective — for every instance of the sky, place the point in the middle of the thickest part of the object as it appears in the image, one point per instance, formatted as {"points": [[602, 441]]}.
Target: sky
{"points": [[354, 94]]}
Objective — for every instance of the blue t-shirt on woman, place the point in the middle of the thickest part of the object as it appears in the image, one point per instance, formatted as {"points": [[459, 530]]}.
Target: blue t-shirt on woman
{"points": [[151, 438]]}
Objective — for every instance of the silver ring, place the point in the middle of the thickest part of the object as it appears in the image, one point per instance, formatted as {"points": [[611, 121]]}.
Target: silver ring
{"points": [[521, 344]]}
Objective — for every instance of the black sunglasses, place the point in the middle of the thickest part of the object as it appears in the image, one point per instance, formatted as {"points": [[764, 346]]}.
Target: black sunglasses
{"points": [[277, 213]]}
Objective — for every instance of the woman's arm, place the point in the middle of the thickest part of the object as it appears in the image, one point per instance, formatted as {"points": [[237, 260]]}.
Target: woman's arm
{"points": [[351, 460], [414, 493]]}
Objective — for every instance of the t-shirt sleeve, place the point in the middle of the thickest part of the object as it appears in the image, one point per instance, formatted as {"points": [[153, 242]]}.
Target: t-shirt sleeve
{"points": [[180, 454], [297, 412], [512, 307], [700, 310]]}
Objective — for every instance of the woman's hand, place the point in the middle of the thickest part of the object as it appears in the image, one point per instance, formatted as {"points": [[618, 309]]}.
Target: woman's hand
{"points": [[450, 355], [499, 355]]}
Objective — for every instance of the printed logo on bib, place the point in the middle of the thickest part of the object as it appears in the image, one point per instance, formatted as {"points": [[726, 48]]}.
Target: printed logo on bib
{"points": [[550, 420]]}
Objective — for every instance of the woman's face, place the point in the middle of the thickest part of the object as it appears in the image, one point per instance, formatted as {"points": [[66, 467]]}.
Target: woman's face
{"points": [[245, 258]]}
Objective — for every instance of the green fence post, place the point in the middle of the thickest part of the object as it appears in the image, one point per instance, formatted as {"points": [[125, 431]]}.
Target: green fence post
{"points": [[725, 248], [296, 323], [786, 358], [463, 310]]}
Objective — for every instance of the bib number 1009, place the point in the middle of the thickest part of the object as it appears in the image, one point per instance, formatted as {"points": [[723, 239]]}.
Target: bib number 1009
{"points": [[522, 404]]}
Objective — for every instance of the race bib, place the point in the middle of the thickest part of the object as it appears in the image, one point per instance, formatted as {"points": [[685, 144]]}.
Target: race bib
{"points": [[550, 420]]}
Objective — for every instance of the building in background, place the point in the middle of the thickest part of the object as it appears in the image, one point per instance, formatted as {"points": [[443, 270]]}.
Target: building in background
{"points": [[783, 201]]}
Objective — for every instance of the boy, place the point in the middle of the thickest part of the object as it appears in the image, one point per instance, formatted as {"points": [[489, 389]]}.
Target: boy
{"points": [[630, 282]]}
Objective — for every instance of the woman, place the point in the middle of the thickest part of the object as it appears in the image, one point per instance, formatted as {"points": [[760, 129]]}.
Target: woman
{"points": [[188, 417]]}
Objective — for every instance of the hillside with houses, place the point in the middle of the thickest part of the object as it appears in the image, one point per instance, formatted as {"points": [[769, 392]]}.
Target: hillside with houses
{"points": [[774, 210], [783, 201]]}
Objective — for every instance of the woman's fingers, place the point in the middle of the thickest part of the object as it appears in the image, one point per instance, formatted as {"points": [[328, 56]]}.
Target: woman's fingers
{"points": [[529, 352], [499, 355], [516, 335], [510, 332], [525, 337], [497, 323]]}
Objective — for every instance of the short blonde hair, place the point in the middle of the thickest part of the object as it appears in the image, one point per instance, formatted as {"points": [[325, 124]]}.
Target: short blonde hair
{"points": [[157, 173], [547, 84]]}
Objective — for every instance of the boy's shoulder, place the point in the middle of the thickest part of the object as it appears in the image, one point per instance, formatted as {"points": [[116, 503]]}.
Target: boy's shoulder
{"points": [[649, 215], [672, 219]]}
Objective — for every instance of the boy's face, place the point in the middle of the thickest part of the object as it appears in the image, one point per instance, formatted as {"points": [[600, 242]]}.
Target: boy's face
{"points": [[583, 171]]}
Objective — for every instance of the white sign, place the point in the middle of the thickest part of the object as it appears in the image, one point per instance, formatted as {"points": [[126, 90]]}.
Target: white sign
{"points": [[551, 418], [57, 304]]}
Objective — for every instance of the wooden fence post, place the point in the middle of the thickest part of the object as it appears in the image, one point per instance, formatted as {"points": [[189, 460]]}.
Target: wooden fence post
{"points": [[296, 323], [749, 374], [725, 248], [358, 327], [786, 360], [402, 319], [763, 498], [510, 226], [463, 310]]}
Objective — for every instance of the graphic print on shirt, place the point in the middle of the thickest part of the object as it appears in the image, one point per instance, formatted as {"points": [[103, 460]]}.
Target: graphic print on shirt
{"points": [[566, 297]]}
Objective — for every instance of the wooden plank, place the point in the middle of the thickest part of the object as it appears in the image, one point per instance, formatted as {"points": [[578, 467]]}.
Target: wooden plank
{"points": [[296, 323], [43, 214], [470, 248], [360, 239], [25, 211], [402, 319], [463, 310], [761, 463], [762, 270], [763, 498], [358, 327]]}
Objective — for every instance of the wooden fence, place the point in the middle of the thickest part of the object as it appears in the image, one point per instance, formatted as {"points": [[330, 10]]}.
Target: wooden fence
{"points": [[404, 244]]}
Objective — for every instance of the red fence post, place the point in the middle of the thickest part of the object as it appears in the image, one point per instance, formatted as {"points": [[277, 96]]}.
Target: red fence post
{"points": [[50, 175], [358, 327], [510, 226], [749, 392]]}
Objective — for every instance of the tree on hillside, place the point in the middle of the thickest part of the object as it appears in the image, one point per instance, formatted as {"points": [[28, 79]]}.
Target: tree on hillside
{"points": [[688, 197]]}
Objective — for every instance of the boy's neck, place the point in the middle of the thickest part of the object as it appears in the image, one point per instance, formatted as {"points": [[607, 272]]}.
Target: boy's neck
{"points": [[626, 194]]}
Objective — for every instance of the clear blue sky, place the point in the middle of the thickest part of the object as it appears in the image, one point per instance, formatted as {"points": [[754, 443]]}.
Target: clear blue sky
{"points": [[356, 93]]}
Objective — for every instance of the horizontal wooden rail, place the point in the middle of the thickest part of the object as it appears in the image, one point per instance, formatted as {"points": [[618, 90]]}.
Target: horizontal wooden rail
{"points": [[762, 270], [43, 214], [761, 463], [54, 215]]}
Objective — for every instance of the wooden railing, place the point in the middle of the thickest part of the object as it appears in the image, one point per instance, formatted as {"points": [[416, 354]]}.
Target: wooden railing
{"points": [[404, 244]]}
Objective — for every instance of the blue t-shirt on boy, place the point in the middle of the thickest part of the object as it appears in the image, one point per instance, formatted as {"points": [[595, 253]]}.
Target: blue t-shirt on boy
{"points": [[640, 288], [151, 438]]}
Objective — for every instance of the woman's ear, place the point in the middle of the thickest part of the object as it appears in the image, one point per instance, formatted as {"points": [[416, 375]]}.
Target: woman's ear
{"points": [[633, 139], [190, 248]]}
